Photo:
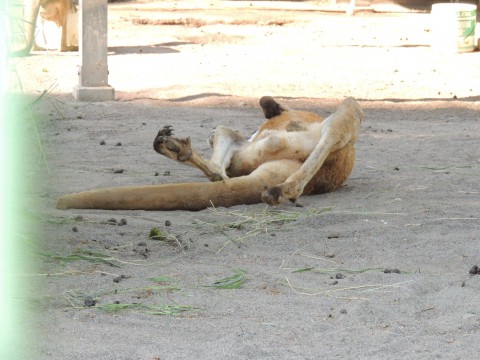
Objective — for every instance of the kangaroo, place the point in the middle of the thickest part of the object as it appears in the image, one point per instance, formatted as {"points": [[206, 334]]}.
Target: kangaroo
{"points": [[293, 153]]}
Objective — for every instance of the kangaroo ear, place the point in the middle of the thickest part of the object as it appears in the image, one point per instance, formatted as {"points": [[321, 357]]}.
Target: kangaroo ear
{"points": [[270, 107]]}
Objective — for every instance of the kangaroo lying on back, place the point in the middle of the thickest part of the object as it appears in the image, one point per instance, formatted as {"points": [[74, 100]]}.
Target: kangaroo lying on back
{"points": [[293, 153]]}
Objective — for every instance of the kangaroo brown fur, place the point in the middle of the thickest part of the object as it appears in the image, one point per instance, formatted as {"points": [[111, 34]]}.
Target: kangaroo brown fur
{"points": [[293, 153]]}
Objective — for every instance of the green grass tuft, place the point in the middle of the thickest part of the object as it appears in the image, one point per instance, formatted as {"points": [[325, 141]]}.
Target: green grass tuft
{"points": [[234, 281]]}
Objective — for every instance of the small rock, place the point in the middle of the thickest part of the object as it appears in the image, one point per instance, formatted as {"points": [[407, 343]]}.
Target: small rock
{"points": [[122, 222], [391, 271], [475, 270], [75, 229], [102, 142], [118, 144], [142, 243], [335, 282], [156, 173], [330, 255], [89, 301], [166, 173], [396, 168], [118, 171], [343, 311], [116, 302], [117, 279], [168, 223], [339, 276], [79, 117]]}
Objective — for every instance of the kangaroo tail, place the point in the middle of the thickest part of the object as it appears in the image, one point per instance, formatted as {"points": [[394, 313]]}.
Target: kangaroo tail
{"points": [[184, 196]]}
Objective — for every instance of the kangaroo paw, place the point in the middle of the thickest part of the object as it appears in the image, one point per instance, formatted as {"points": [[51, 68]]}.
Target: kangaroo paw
{"points": [[276, 194], [273, 195], [173, 148]]}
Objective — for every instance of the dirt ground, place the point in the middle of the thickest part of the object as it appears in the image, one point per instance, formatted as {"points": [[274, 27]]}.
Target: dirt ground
{"points": [[378, 269]]}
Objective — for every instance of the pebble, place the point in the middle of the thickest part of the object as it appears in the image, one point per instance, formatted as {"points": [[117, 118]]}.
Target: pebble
{"points": [[89, 301], [391, 271], [168, 223], [475, 270], [117, 279]]}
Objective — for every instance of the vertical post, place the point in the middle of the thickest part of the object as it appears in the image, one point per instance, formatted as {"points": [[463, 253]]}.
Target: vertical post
{"points": [[93, 46]]}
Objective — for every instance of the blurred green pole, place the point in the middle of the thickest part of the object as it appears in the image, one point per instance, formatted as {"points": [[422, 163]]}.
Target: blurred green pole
{"points": [[10, 288]]}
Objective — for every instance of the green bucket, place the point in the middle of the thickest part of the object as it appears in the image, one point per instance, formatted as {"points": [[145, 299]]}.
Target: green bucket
{"points": [[453, 27]]}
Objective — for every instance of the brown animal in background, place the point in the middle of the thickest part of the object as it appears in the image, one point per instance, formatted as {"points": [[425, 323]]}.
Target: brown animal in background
{"points": [[57, 11], [293, 153]]}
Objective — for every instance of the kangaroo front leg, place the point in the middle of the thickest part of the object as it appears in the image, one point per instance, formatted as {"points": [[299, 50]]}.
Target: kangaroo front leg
{"points": [[340, 129], [225, 142]]}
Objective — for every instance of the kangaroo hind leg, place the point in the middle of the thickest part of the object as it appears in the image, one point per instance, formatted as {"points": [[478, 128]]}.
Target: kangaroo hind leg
{"points": [[225, 143], [181, 150], [339, 132]]}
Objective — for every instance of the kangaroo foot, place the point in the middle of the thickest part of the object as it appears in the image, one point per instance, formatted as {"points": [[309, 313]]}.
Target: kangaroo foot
{"points": [[175, 149], [275, 195], [181, 150]]}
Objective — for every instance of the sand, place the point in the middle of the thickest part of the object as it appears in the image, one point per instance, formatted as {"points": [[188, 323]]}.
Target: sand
{"points": [[376, 270]]}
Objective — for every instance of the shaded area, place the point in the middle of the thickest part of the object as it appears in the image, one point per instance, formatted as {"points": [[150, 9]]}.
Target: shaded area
{"points": [[449, 99], [164, 48], [198, 96], [152, 49]]}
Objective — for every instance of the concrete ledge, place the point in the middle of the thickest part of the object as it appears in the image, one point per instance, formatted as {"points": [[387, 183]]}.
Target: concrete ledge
{"points": [[94, 93]]}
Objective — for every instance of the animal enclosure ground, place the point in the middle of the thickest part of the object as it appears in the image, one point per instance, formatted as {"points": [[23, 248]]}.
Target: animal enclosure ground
{"points": [[379, 268]]}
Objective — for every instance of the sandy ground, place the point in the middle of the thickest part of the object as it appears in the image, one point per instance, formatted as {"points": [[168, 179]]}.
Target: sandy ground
{"points": [[315, 284]]}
